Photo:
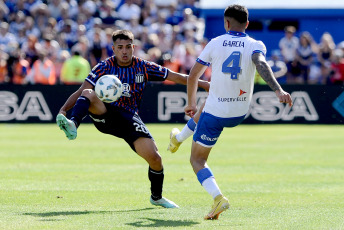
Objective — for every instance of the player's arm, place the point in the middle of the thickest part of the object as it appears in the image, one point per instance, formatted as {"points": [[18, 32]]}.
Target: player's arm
{"points": [[192, 83], [266, 73], [74, 97], [183, 79]]}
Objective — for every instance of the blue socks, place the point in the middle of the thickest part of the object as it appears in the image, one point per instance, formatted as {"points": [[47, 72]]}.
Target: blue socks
{"points": [[191, 124], [204, 174], [80, 110]]}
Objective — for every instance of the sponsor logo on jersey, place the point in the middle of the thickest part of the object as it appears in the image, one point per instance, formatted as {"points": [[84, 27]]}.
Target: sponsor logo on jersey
{"points": [[241, 92], [204, 137], [139, 78], [233, 43], [231, 99], [126, 90]]}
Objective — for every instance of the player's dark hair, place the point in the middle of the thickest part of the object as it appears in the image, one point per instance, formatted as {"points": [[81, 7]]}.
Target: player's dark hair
{"points": [[122, 34], [238, 12]]}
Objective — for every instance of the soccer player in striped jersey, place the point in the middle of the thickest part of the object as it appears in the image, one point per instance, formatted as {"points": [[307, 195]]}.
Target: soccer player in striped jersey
{"points": [[121, 118], [234, 57]]}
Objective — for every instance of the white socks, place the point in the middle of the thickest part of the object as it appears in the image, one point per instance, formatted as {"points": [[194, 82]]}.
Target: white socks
{"points": [[211, 187], [187, 131], [184, 134]]}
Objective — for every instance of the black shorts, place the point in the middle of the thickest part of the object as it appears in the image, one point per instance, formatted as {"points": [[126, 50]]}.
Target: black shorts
{"points": [[121, 123]]}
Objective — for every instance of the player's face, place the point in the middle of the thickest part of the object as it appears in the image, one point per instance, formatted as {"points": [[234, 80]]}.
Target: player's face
{"points": [[123, 50]]}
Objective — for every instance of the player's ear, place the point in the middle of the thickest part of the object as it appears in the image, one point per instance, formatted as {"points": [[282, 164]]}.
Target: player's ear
{"points": [[113, 48], [247, 24], [226, 24]]}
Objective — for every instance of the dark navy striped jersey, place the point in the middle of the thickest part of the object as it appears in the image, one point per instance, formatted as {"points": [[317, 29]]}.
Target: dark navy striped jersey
{"points": [[134, 79]]}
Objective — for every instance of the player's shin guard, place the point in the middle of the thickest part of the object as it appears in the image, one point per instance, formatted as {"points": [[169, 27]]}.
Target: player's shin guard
{"points": [[80, 110], [157, 179]]}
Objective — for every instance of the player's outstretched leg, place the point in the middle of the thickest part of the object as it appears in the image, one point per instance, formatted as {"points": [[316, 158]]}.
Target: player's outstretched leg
{"points": [[67, 126], [163, 202], [220, 204]]}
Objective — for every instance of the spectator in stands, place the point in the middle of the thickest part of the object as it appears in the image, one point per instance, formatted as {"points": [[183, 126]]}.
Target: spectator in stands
{"points": [[129, 10], [5, 36], [51, 28], [4, 11], [288, 46], [83, 46], [106, 11], [54, 8], [160, 24], [51, 46], [69, 33], [97, 49], [189, 58], [172, 64], [31, 28], [73, 8], [154, 55], [30, 49], [164, 44], [43, 70], [21, 37], [18, 23], [138, 51], [325, 55], [174, 16], [18, 67], [337, 73], [278, 67], [134, 26], [75, 69], [304, 56], [62, 57], [3, 66]]}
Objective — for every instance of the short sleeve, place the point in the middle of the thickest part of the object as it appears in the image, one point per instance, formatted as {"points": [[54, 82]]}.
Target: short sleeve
{"points": [[156, 72], [205, 57], [97, 71], [259, 47]]}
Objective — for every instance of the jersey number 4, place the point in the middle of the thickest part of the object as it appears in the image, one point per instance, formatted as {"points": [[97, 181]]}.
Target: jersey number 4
{"points": [[232, 65]]}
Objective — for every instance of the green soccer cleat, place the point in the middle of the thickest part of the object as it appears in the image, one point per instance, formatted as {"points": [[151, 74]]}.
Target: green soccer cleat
{"points": [[174, 143], [67, 126], [220, 204], [163, 202]]}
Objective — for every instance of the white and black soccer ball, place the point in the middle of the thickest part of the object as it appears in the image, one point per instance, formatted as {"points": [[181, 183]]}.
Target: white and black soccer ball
{"points": [[108, 88]]}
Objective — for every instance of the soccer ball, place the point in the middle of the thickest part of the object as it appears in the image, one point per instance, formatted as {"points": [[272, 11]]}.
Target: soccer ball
{"points": [[108, 88]]}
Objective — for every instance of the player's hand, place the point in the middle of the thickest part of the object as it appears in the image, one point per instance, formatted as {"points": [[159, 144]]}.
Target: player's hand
{"points": [[190, 110], [284, 97]]}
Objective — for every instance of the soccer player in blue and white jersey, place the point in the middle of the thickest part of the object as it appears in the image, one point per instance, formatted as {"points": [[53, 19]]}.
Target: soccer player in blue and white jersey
{"points": [[234, 57], [121, 118]]}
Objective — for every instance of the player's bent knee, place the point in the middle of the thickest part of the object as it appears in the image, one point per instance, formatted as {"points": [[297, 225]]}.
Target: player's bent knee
{"points": [[90, 94], [156, 159]]}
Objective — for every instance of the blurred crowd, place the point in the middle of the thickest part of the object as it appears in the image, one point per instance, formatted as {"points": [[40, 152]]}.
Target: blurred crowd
{"points": [[301, 60], [59, 41]]}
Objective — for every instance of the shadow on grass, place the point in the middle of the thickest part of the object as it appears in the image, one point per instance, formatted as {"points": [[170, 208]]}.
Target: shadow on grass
{"points": [[72, 213], [145, 222], [149, 222]]}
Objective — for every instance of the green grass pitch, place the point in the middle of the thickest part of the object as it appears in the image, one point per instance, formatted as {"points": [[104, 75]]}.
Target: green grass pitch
{"points": [[275, 176]]}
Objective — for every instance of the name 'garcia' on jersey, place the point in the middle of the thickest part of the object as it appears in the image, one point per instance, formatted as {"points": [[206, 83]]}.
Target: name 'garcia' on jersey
{"points": [[233, 43]]}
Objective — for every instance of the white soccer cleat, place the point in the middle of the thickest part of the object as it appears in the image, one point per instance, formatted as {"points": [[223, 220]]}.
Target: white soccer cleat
{"points": [[68, 126], [174, 143], [163, 202]]}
